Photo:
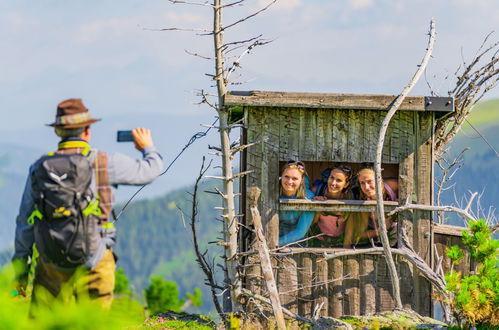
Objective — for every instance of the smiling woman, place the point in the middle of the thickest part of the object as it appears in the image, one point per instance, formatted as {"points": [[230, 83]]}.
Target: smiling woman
{"points": [[293, 225]]}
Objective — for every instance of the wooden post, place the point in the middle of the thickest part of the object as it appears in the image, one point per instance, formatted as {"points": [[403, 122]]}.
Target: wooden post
{"points": [[261, 245]]}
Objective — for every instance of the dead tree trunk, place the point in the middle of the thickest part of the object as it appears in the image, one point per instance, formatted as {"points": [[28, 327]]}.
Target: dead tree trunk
{"points": [[229, 214]]}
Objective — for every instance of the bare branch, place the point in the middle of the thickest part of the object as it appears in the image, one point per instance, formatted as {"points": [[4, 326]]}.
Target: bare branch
{"points": [[204, 4], [472, 84], [377, 166], [250, 16], [200, 257], [202, 31], [197, 55]]}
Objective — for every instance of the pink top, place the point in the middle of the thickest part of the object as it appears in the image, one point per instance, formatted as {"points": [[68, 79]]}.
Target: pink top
{"points": [[391, 194], [331, 224]]}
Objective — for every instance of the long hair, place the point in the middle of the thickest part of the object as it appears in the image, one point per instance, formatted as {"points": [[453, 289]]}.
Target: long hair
{"points": [[346, 192], [300, 193], [367, 170]]}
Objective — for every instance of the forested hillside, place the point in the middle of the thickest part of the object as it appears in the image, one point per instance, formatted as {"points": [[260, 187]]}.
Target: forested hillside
{"points": [[154, 238], [480, 170]]}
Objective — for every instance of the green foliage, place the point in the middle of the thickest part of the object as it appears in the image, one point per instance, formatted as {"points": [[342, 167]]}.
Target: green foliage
{"points": [[455, 254], [162, 296], [195, 298], [121, 283], [475, 298]]}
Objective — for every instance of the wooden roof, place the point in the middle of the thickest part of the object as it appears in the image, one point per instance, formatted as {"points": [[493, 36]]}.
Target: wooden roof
{"points": [[336, 101]]}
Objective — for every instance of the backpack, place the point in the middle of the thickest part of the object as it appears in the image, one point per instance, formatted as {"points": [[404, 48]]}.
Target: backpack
{"points": [[66, 230], [322, 183]]}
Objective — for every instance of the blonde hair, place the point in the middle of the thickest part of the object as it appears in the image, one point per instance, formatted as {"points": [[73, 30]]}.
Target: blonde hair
{"points": [[367, 170], [300, 193]]}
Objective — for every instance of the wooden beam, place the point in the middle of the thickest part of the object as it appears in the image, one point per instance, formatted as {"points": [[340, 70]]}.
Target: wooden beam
{"points": [[448, 230], [333, 205], [335, 101]]}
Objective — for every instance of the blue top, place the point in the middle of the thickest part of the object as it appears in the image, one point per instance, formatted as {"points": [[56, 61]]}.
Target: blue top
{"points": [[293, 225]]}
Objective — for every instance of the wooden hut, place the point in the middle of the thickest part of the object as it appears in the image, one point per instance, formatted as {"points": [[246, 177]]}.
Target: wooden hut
{"points": [[320, 129]]}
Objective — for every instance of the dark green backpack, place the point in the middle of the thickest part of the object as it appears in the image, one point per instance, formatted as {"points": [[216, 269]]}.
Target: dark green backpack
{"points": [[66, 229]]}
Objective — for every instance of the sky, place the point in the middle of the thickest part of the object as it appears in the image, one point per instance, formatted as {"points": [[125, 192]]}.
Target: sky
{"points": [[111, 54]]}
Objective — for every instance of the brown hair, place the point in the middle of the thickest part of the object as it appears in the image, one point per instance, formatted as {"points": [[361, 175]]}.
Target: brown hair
{"points": [[300, 193], [370, 170], [347, 170]]}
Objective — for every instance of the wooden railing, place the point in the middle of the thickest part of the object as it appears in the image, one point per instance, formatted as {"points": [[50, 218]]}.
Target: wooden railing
{"points": [[333, 205]]}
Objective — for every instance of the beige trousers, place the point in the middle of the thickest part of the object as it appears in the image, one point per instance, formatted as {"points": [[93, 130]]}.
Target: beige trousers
{"points": [[51, 284]]}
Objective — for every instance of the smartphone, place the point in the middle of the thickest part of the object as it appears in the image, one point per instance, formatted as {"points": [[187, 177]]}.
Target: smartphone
{"points": [[124, 136]]}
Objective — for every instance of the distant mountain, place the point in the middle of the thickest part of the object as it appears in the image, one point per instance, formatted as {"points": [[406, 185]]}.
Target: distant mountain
{"points": [[480, 172]]}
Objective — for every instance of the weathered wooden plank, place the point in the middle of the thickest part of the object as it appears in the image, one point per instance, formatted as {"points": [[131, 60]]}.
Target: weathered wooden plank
{"points": [[409, 133], [340, 136], [387, 145], [441, 243], [269, 165], [322, 100], [333, 205], [254, 127], [324, 135], [355, 137], [254, 154], [287, 282], [367, 285], [351, 302], [394, 131], [289, 129], [448, 230], [272, 230], [336, 297], [320, 290], [307, 135], [305, 282], [253, 274], [422, 235], [464, 266], [384, 293], [270, 203], [405, 271], [371, 135]]}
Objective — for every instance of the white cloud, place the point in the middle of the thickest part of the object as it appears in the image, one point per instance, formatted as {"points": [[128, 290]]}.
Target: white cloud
{"points": [[360, 4]]}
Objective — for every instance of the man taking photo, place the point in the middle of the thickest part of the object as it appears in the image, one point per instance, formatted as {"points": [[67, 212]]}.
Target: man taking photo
{"points": [[66, 207]]}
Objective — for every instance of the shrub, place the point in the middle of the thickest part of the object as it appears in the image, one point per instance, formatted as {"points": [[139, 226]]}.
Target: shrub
{"points": [[475, 298]]}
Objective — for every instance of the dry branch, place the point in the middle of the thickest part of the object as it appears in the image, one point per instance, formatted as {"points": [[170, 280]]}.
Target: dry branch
{"points": [[261, 246], [475, 80], [377, 167], [201, 257]]}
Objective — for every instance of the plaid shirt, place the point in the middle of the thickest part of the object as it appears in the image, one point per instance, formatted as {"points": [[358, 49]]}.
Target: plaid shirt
{"points": [[104, 194]]}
